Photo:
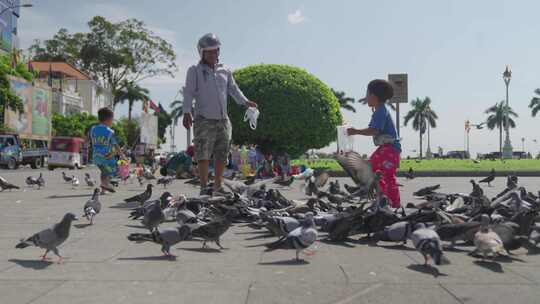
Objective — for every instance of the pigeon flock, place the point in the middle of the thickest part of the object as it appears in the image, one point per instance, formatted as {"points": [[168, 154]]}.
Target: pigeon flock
{"points": [[491, 226]]}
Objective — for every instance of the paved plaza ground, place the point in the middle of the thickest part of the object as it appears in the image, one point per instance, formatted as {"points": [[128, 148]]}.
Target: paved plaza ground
{"points": [[102, 266]]}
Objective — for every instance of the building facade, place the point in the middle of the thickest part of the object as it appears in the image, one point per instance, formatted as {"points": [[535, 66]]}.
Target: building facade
{"points": [[75, 91]]}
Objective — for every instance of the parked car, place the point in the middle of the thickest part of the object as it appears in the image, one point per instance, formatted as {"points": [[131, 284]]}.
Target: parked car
{"points": [[14, 153], [458, 154], [68, 152]]}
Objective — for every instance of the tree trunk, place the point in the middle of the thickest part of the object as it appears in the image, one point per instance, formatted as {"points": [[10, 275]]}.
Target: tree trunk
{"points": [[130, 107], [420, 144], [500, 140]]}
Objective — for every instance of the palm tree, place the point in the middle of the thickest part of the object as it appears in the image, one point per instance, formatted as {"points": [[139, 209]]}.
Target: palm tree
{"points": [[345, 102], [496, 119], [535, 103], [132, 93], [423, 117]]}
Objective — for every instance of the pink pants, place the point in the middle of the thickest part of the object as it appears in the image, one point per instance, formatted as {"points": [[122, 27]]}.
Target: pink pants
{"points": [[386, 160]]}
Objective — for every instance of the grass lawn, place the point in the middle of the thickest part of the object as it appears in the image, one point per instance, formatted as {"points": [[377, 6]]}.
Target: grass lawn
{"points": [[440, 165]]}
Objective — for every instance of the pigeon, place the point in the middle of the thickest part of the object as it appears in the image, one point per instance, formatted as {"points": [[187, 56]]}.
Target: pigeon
{"points": [[90, 182], [281, 225], [357, 168], [428, 243], [487, 241], [50, 239], [66, 178], [458, 232], [409, 174], [241, 188], [211, 232], [477, 190], [92, 206], [397, 232], [166, 180], [114, 183], [298, 239], [5, 185], [140, 180], [316, 181], [40, 181], [31, 181], [426, 190], [489, 178], [335, 188], [141, 198], [153, 216], [166, 237], [74, 182]]}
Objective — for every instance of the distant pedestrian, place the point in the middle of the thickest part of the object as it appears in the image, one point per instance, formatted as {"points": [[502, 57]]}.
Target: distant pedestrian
{"points": [[386, 158]]}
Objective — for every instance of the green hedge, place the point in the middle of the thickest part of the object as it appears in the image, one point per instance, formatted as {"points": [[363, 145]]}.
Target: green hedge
{"points": [[298, 111]]}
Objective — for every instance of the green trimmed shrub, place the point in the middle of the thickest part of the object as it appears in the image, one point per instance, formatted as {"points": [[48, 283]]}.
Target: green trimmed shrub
{"points": [[298, 111]]}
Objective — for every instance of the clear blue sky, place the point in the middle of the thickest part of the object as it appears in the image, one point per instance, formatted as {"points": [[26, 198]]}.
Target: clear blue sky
{"points": [[454, 51]]}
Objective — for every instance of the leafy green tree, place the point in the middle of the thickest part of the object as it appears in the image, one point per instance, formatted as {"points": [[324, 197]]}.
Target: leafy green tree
{"points": [[298, 111], [535, 103], [422, 116], [116, 53], [496, 119], [75, 125], [177, 111], [130, 131], [131, 93]]}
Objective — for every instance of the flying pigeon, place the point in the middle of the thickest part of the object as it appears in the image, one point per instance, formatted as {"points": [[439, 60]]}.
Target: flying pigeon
{"points": [[357, 168], [50, 239], [66, 178], [428, 243], [298, 239], [487, 241], [166, 237], [90, 182], [141, 198], [489, 178], [5, 185], [92, 206]]}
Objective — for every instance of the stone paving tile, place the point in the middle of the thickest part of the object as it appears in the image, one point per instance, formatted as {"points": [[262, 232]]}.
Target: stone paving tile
{"points": [[495, 293], [22, 292]]}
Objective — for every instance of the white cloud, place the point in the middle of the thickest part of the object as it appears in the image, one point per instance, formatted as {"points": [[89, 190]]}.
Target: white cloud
{"points": [[296, 18]]}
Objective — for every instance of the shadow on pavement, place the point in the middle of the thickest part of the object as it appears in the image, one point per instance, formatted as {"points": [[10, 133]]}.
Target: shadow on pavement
{"points": [[258, 237], [285, 263], [434, 271], [205, 250], [341, 243], [149, 258], [70, 196], [493, 266], [124, 205], [397, 247], [34, 264], [136, 226], [80, 226]]}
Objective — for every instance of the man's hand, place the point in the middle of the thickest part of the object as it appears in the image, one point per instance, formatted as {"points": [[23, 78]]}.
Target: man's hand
{"points": [[352, 131], [251, 104], [187, 121]]}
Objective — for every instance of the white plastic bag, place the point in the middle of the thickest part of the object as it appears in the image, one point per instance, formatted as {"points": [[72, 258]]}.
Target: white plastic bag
{"points": [[251, 115], [345, 142]]}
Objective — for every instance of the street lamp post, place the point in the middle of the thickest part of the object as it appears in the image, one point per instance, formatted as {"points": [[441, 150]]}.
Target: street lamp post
{"points": [[507, 149]]}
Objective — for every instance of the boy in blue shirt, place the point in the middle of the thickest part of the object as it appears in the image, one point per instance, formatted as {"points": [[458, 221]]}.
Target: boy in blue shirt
{"points": [[386, 158], [105, 148]]}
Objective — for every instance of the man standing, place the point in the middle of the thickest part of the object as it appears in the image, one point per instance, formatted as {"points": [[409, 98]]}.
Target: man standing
{"points": [[209, 83]]}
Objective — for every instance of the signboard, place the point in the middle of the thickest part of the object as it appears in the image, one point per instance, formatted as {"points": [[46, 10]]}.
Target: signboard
{"points": [[400, 84], [8, 20], [149, 129], [35, 122]]}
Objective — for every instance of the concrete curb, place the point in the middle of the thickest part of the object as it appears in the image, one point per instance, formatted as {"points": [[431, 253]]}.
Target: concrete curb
{"points": [[453, 173]]}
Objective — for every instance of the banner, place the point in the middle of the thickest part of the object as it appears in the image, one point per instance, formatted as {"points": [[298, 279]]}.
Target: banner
{"points": [[35, 122], [149, 129], [8, 20]]}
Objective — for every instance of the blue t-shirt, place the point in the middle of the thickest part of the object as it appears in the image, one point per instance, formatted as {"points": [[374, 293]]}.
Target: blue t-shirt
{"points": [[103, 142], [382, 121]]}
